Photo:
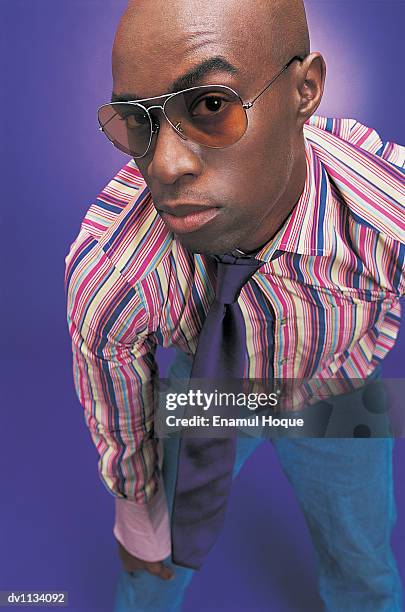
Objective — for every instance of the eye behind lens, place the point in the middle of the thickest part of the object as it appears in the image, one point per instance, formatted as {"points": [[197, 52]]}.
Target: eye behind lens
{"points": [[134, 118], [208, 105]]}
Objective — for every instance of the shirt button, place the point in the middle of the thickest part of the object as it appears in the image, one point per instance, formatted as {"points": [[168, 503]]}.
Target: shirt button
{"points": [[283, 361], [284, 321]]}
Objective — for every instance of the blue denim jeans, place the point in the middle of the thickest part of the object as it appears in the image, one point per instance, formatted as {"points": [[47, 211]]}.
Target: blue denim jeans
{"points": [[344, 487]]}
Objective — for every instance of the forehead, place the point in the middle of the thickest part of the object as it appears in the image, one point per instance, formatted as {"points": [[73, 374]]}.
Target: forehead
{"points": [[159, 41]]}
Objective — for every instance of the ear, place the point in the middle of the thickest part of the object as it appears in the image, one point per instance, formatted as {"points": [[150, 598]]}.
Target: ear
{"points": [[310, 84]]}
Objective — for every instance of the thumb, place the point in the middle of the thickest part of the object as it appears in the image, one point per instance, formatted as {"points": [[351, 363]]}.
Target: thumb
{"points": [[160, 570]]}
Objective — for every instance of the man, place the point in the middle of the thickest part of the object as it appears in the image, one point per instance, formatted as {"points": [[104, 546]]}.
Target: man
{"points": [[240, 168]]}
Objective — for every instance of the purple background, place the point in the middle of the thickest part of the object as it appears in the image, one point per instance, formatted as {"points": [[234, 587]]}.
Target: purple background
{"points": [[56, 516]]}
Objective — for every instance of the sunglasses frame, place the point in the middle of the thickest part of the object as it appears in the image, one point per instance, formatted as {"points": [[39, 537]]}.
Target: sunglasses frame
{"points": [[154, 127]]}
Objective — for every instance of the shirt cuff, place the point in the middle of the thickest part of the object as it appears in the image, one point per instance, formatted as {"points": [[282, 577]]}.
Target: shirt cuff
{"points": [[144, 529]]}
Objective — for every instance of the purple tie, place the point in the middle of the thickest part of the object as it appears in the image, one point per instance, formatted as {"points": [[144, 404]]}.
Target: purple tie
{"points": [[205, 465]]}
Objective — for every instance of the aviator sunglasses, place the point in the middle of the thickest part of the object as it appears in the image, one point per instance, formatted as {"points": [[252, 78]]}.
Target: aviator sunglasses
{"points": [[210, 115]]}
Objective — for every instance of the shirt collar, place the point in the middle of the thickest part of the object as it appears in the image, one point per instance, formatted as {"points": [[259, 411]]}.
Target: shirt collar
{"points": [[308, 230]]}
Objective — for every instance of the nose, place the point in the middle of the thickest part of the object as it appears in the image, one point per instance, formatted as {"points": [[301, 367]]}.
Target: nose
{"points": [[173, 157]]}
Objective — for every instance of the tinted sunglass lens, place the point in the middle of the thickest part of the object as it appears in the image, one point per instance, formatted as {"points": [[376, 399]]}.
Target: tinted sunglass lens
{"points": [[211, 116], [128, 126]]}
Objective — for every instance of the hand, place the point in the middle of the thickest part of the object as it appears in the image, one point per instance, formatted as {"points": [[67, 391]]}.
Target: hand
{"points": [[133, 564]]}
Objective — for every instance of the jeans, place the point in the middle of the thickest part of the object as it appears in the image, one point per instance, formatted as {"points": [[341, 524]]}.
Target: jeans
{"points": [[344, 487]]}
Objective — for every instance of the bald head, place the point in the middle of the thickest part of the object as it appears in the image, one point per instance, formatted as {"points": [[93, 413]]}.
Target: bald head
{"points": [[265, 33], [283, 21]]}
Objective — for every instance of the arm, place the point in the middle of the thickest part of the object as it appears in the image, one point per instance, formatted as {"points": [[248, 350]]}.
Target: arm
{"points": [[114, 369]]}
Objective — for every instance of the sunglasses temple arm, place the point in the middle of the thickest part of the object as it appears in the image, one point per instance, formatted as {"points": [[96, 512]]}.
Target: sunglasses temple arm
{"points": [[296, 57]]}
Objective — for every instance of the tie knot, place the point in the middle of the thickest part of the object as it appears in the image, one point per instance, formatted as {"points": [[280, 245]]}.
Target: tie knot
{"points": [[232, 274]]}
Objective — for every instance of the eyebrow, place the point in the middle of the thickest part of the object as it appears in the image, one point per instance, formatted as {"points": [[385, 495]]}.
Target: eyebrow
{"points": [[189, 79]]}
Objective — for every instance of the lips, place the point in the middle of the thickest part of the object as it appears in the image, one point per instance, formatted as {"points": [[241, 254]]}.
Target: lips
{"points": [[184, 218]]}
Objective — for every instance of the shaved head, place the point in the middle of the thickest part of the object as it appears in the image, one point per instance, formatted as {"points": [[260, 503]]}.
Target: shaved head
{"points": [[284, 21], [162, 47], [271, 31]]}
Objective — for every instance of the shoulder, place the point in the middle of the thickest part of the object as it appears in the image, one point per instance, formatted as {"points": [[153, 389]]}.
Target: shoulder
{"points": [[359, 135], [366, 173], [126, 188], [122, 224]]}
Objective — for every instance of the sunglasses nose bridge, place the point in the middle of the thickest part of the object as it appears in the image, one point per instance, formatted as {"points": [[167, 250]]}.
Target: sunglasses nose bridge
{"points": [[160, 106], [177, 128], [154, 125]]}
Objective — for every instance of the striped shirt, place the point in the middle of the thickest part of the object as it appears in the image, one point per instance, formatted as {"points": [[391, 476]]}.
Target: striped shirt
{"points": [[333, 275]]}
